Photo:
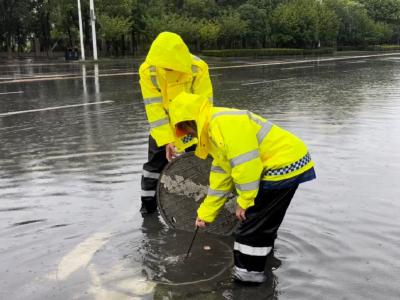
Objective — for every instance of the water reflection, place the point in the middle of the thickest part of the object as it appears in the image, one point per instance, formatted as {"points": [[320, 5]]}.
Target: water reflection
{"points": [[84, 80], [96, 80]]}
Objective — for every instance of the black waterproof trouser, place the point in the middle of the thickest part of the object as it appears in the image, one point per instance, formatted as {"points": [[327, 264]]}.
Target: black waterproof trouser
{"points": [[254, 238], [151, 173]]}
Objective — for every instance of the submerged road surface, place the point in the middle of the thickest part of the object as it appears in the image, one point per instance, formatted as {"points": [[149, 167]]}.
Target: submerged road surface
{"points": [[73, 140]]}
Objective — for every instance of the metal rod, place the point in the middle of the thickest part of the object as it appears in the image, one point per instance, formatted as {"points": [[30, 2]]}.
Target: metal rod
{"points": [[81, 31], [93, 23], [191, 243]]}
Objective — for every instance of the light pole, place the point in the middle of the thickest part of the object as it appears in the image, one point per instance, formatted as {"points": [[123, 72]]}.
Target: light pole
{"points": [[81, 31], [93, 23]]}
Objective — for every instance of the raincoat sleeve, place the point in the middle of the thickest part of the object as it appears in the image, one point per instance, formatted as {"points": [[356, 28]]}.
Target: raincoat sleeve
{"points": [[160, 128], [220, 187], [242, 152], [202, 84]]}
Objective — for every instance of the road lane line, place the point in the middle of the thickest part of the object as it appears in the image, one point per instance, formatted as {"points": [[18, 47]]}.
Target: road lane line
{"points": [[66, 77], [265, 81], [306, 61], [275, 63], [8, 93], [52, 108], [81, 255], [299, 67]]}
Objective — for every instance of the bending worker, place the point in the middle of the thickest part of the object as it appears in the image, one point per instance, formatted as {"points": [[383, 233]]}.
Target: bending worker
{"points": [[263, 162], [169, 69]]}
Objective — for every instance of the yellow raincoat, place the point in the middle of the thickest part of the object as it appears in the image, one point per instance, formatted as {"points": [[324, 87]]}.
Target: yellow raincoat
{"points": [[245, 147], [169, 69]]}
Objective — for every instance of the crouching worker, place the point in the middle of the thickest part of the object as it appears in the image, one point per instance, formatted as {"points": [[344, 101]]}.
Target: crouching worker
{"points": [[262, 161]]}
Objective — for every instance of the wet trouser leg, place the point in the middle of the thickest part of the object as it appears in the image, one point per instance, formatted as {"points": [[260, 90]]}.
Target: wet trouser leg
{"points": [[151, 172], [254, 238]]}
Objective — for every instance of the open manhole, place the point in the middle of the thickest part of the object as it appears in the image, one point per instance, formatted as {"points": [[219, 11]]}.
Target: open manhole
{"points": [[182, 187]]}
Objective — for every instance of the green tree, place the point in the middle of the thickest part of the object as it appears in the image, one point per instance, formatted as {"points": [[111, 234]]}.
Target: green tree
{"points": [[209, 34], [200, 8], [64, 20], [258, 25], [232, 29], [188, 28], [115, 20], [304, 24], [13, 26], [356, 27], [387, 14]]}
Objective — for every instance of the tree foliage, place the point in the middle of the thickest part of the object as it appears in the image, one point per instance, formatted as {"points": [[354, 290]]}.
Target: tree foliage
{"points": [[129, 26]]}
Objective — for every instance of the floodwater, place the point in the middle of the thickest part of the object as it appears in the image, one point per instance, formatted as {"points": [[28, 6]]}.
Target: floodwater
{"points": [[73, 140]]}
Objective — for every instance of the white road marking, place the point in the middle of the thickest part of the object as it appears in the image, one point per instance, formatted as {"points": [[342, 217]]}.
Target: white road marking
{"points": [[356, 62], [8, 93], [247, 65], [299, 67], [265, 81], [127, 285], [81, 255], [45, 78], [306, 61], [75, 155], [52, 108]]}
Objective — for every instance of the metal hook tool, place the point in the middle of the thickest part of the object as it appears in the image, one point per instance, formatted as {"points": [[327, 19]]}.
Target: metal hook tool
{"points": [[191, 243]]}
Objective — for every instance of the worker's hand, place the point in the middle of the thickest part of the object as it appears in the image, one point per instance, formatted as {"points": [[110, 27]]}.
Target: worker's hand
{"points": [[240, 213], [200, 223], [170, 151]]}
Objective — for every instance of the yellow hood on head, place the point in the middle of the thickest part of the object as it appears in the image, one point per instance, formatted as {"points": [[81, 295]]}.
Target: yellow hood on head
{"points": [[187, 107], [169, 51]]}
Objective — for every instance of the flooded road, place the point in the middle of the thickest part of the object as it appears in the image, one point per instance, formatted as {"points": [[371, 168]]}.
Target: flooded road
{"points": [[73, 141]]}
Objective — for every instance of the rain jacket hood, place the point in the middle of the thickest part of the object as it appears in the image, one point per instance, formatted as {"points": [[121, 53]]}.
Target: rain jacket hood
{"points": [[169, 51], [187, 107]]}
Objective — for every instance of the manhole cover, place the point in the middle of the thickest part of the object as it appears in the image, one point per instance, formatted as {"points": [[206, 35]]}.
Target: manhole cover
{"points": [[182, 187]]}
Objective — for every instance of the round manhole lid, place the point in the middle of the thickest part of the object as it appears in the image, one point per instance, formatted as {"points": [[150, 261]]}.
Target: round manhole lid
{"points": [[182, 187]]}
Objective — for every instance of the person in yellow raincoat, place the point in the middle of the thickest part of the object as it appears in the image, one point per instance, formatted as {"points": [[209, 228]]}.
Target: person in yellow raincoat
{"points": [[168, 69], [261, 161]]}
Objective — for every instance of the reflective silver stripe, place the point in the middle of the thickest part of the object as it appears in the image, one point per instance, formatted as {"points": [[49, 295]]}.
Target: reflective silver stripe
{"points": [[253, 251], [154, 81], [148, 174], [148, 193], [217, 193], [248, 186], [236, 112], [264, 130], [248, 276], [195, 57], [217, 169], [253, 118], [159, 123], [242, 158], [148, 101], [211, 100], [153, 77], [194, 71]]}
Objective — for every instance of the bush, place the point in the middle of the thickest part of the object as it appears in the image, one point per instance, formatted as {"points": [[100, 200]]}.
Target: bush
{"points": [[266, 52], [389, 47], [369, 48]]}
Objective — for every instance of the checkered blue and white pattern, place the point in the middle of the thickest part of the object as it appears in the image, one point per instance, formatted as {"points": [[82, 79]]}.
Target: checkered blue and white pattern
{"points": [[187, 138], [290, 168]]}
